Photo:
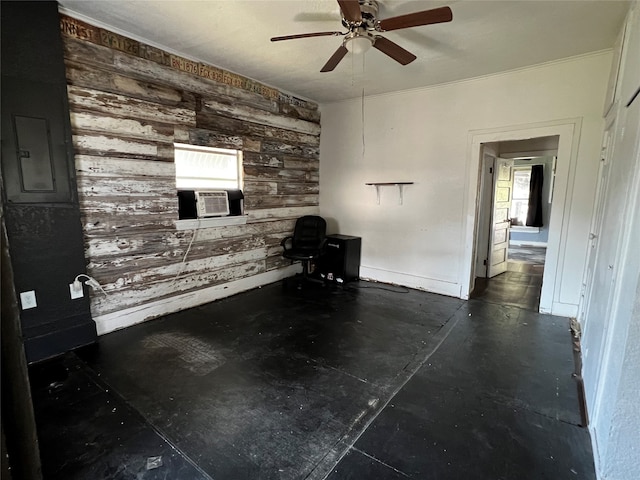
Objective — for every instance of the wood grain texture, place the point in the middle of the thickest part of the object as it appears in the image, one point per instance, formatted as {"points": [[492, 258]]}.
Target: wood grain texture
{"points": [[127, 111]]}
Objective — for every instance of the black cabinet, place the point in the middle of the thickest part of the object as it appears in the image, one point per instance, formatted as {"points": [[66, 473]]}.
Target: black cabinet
{"points": [[341, 260]]}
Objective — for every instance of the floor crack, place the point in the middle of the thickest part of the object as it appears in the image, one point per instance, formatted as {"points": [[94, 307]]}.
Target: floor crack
{"points": [[380, 462]]}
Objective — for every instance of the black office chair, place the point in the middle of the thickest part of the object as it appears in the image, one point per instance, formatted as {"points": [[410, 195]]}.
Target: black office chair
{"points": [[306, 244]]}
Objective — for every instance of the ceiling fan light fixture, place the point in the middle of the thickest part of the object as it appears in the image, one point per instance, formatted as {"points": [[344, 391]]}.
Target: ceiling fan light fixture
{"points": [[358, 44]]}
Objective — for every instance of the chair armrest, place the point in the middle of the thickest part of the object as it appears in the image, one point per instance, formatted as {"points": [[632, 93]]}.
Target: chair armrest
{"points": [[284, 241]]}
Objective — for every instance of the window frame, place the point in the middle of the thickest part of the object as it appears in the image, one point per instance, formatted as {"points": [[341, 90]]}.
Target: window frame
{"points": [[207, 149], [514, 198], [197, 223]]}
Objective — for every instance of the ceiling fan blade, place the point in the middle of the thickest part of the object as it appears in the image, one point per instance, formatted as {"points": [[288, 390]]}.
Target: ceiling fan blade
{"points": [[307, 35], [394, 50], [335, 59], [427, 17], [351, 10]]}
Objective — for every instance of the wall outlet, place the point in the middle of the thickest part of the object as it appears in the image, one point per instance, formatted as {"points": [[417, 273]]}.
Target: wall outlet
{"points": [[76, 290], [28, 299]]}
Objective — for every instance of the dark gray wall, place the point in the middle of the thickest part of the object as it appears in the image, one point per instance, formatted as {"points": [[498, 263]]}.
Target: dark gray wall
{"points": [[40, 202]]}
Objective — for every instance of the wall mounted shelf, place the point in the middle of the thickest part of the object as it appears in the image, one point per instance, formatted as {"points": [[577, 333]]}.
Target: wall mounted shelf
{"points": [[400, 186]]}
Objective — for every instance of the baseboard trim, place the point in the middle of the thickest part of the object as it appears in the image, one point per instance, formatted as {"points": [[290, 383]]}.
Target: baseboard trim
{"points": [[563, 309], [526, 243], [412, 281], [131, 316]]}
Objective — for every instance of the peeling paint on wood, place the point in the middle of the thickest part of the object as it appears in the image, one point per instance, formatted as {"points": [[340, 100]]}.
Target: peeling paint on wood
{"points": [[91, 165], [256, 173], [134, 206], [127, 107], [120, 298], [297, 150], [113, 145], [269, 214], [91, 122], [302, 164], [126, 113], [127, 187], [260, 188], [83, 31], [253, 158], [310, 114], [83, 76], [254, 115], [207, 138], [267, 201], [222, 123], [100, 226]]}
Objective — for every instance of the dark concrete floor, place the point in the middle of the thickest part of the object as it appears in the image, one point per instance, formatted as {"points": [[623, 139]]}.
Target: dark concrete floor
{"points": [[520, 285], [366, 381]]}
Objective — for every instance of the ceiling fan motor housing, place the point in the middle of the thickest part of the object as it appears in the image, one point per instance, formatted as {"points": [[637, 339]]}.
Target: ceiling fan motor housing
{"points": [[369, 11]]}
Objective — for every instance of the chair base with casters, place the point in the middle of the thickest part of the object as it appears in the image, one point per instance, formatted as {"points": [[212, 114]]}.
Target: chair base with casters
{"points": [[306, 244]]}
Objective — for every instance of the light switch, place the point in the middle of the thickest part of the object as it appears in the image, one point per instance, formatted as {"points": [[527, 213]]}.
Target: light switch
{"points": [[28, 299]]}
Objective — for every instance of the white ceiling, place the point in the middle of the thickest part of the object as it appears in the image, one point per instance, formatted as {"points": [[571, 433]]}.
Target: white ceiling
{"points": [[484, 37]]}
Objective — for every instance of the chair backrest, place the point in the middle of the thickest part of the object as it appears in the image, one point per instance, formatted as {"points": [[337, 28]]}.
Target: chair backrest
{"points": [[309, 233]]}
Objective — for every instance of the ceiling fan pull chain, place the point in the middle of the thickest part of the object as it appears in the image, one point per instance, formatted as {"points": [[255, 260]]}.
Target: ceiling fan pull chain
{"points": [[363, 144]]}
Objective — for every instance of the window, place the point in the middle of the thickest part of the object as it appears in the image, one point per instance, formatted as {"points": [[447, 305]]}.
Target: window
{"points": [[520, 199], [207, 168], [201, 170]]}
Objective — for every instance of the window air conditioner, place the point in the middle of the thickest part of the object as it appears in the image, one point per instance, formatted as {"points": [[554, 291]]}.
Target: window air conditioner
{"points": [[212, 203]]}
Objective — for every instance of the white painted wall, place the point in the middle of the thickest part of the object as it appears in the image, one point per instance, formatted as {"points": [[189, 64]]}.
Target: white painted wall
{"points": [[423, 136]]}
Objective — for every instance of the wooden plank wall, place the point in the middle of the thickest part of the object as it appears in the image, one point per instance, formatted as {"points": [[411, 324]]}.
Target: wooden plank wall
{"points": [[126, 113]]}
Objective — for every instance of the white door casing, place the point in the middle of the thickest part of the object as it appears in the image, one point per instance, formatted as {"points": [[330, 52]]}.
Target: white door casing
{"points": [[551, 298]]}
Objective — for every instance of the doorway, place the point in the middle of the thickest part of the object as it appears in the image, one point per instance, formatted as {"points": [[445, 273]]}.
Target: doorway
{"points": [[514, 208], [554, 290]]}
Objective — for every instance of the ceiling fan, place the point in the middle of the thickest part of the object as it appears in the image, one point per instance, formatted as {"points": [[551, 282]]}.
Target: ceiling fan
{"points": [[361, 18]]}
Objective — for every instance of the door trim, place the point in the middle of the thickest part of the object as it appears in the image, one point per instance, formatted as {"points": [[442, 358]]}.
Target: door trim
{"points": [[569, 132]]}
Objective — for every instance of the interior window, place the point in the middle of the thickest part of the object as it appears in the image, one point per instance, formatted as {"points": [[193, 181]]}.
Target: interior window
{"points": [[208, 182], [520, 199], [207, 168]]}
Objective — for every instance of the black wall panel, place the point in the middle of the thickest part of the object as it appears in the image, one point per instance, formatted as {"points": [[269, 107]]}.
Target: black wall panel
{"points": [[40, 202]]}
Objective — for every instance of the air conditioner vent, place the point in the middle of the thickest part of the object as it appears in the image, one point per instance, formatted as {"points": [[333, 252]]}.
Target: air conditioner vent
{"points": [[212, 204]]}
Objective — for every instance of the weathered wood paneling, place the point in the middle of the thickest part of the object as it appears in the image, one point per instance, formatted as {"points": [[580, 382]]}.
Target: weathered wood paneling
{"points": [[127, 111], [270, 214], [107, 166], [121, 297], [138, 129], [107, 80], [79, 51], [258, 173], [270, 201], [239, 127], [129, 187], [254, 115]]}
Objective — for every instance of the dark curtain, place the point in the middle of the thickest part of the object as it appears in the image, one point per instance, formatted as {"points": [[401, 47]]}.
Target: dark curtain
{"points": [[534, 214]]}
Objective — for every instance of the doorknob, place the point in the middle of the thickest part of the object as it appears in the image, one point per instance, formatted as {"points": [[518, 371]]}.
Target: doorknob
{"points": [[592, 236]]}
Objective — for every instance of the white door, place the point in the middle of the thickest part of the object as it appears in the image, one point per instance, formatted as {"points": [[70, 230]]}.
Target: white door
{"points": [[601, 292], [500, 217], [596, 222]]}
